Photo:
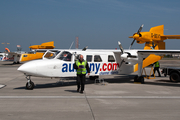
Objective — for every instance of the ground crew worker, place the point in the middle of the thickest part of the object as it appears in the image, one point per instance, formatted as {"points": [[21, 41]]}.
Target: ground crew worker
{"points": [[156, 68], [81, 66]]}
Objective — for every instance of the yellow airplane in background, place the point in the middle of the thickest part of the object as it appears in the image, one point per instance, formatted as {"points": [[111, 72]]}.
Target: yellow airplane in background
{"points": [[36, 55], [154, 39]]}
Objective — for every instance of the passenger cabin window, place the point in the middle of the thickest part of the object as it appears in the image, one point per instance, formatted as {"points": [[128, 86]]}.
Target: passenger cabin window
{"points": [[66, 56], [111, 58], [89, 58], [97, 58]]}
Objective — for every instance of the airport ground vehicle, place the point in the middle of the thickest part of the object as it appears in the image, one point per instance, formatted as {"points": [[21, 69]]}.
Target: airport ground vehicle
{"points": [[173, 72]]}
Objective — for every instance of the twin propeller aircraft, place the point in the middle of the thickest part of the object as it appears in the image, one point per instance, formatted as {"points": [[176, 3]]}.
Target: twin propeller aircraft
{"points": [[58, 63]]}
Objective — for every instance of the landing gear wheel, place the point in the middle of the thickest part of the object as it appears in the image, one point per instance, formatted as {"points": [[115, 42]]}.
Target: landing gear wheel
{"points": [[141, 79], [136, 78], [174, 77], [30, 85]]}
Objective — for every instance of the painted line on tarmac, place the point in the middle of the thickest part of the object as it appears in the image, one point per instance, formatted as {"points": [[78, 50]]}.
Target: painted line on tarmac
{"points": [[90, 97]]}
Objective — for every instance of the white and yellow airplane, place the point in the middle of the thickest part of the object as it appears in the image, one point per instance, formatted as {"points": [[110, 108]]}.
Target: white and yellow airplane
{"points": [[20, 56], [101, 62]]}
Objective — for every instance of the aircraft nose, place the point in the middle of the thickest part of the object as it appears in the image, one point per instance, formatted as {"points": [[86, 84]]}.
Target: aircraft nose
{"points": [[136, 36], [28, 68]]}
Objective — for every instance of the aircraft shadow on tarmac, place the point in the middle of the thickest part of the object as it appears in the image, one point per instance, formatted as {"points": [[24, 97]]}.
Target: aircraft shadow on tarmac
{"points": [[73, 83], [117, 79]]}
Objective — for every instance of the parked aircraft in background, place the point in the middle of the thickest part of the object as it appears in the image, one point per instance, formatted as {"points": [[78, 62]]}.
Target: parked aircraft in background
{"points": [[35, 54], [20, 56], [101, 62], [5, 57]]}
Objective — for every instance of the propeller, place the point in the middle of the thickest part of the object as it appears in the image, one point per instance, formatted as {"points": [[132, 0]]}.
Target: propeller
{"points": [[138, 32], [126, 55], [121, 48], [122, 53]]}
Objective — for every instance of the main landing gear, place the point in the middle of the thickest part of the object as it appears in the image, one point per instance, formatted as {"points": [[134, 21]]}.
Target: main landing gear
{"points": [[29, 84], [139, 79]]}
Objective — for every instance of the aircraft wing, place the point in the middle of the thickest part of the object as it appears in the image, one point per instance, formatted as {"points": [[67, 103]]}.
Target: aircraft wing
{"points": [[170, 36], [158, 52]]}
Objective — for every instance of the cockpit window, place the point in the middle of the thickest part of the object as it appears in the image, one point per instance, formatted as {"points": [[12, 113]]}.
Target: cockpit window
{"points": [[66, 56], [50, 54]]}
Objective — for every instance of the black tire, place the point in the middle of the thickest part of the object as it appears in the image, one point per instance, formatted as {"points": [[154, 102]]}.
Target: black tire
{"points": [[141, 79], [174, 77], [136, 78], [31, 86]]}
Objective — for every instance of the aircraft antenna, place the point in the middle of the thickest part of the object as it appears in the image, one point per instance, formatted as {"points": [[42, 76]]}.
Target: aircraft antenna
{"points": [[71, 45]]}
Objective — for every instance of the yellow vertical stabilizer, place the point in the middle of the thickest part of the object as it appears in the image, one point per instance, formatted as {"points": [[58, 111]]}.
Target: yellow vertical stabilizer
{"points": [[158, 30]]}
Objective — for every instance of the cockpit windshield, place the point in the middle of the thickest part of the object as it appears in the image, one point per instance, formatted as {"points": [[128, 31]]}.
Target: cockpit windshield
{"points": [[65, 55], [51, 55]]}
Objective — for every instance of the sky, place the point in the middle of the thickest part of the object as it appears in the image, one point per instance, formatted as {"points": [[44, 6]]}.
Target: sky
{"points": [[99, 24]]}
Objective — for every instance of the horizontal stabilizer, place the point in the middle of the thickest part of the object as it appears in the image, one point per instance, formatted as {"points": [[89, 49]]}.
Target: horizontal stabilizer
{"points": [[47, 45]]}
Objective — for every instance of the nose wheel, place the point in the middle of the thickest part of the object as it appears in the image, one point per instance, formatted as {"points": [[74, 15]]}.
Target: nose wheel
{"points": [[29, 84]]}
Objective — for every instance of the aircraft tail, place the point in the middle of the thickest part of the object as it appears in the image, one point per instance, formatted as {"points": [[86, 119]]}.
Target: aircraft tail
{"points": [[158, 30], [7, 50]]}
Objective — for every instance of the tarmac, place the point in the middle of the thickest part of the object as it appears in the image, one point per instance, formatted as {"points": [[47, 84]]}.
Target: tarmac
{"points": [[118, 98]]}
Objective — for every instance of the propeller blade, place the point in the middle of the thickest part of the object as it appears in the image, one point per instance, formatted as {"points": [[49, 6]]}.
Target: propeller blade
{"points": [[131, 44], [140, 29], [121, 48]]}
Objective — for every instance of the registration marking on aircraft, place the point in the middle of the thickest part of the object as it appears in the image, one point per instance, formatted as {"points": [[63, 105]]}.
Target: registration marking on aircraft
{"points": [[90, 97]]}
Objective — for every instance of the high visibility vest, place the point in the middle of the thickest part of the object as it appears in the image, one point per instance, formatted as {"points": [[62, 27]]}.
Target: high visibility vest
{"points": [[157, 64], [82, 65]]}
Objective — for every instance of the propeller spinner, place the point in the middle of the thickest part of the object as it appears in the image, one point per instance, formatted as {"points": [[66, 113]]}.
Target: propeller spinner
{"points": [[136, 34]]}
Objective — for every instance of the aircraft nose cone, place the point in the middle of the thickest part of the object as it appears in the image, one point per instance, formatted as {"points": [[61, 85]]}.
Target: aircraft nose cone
{"points": [[28, 68], [136, 36]]}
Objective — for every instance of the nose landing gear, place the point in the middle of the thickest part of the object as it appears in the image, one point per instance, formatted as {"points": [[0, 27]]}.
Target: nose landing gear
{"points": [[29, 84]]}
